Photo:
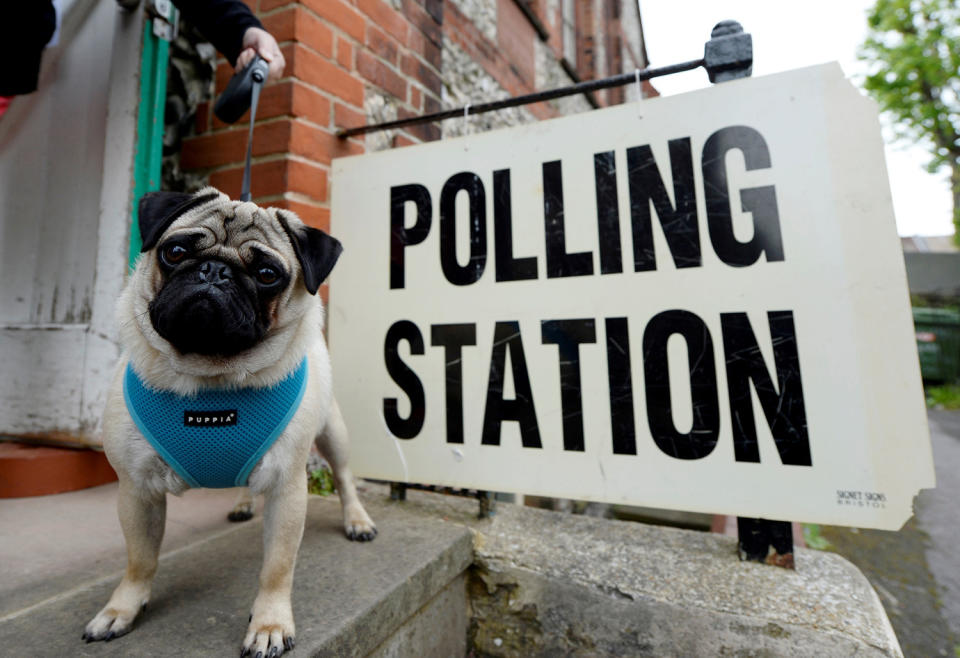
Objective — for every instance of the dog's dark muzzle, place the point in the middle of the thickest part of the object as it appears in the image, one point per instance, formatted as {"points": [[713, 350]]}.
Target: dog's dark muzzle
{"points": [[205, 310], [215, 273]]}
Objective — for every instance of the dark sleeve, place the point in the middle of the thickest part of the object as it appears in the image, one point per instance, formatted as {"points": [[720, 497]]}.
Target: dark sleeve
{"points": [[223, 22], [22, 46]]}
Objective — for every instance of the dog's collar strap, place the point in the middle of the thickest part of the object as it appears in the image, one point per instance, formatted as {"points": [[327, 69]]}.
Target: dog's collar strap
{"points": [[214, 438]]}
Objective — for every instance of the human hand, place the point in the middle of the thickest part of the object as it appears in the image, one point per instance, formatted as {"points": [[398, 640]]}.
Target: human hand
{"points": [[260, 42]]}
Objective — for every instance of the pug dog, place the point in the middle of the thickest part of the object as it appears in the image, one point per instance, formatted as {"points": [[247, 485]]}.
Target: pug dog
{"points": [[222, 310]]}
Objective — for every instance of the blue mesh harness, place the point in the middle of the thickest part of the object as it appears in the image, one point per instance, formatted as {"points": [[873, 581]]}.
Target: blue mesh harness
{"points": [[215, 437]]}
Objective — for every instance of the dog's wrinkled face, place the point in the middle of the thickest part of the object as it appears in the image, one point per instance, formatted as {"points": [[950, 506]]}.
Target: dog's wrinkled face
{"points": [[223, 270]]}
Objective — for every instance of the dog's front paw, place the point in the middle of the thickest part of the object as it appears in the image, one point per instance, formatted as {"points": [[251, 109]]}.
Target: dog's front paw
{"points": [[358, 524], [270, 633], [113, 621]]}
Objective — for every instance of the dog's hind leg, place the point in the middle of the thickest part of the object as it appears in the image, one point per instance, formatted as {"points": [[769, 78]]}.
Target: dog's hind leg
{"points": [[333, 445], [142, 518], [244, 508]]}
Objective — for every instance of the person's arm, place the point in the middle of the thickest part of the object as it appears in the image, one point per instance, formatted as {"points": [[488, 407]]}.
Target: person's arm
{"points": [[223, 22]]}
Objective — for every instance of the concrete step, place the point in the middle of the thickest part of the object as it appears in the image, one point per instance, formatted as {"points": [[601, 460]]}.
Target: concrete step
{"points": [[404, 588], [50, 545], [436, 582]]}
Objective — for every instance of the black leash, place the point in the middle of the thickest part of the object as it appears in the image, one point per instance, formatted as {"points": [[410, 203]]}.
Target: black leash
{"points": [[241, 93]]}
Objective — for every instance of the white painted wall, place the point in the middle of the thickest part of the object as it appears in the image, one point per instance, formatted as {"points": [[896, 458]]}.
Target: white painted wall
{"points": [[66, 181]]}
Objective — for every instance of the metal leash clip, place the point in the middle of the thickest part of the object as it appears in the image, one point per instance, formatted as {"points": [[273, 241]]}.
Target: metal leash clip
{"points": [[241, 93]]}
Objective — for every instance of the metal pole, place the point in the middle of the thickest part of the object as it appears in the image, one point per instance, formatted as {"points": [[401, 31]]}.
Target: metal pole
{"points": [[572, 90], [730, 56]]}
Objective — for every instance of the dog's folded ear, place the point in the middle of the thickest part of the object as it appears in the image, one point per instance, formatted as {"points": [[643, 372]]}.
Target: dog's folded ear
{"points": [[316, 251], [158, 210]]}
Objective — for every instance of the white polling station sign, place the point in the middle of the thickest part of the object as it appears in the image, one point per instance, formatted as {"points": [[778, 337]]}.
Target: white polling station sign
{"points": [[695, 302]]}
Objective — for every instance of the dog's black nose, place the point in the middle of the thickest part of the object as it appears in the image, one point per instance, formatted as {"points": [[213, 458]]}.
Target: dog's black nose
{"points": [[215, 272]]}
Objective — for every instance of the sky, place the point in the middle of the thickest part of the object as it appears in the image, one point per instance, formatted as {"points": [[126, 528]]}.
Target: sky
{"points": [[789, 35]]}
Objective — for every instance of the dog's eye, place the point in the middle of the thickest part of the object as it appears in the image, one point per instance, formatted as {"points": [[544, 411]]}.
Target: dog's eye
{"points": [[173, 254], [267, 275]]}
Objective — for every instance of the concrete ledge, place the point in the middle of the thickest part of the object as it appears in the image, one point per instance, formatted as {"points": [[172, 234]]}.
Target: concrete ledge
{"points": [[546, 583], [348, 597], [584, 584], [437, 630]]}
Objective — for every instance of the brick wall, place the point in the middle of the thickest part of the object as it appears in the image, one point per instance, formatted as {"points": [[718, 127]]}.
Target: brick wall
{"points": [[350, 62]]}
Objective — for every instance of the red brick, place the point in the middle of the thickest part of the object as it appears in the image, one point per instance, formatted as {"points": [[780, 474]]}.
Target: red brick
{"points": [[315, 70], [516, 37], [344, 117], [282, 25], [314, 33], [319, 145], [275, 100], [430, 51], [426, 132], [402, 140], [435, 9], [297, 24], [211, 150], [416, 98], [386, 17], [341, 148], [542, 111], [285, 98], [272, 103], [487, 51], [431, 105], [311, 215], [382, 45], [267, 179], [274, 178], [310, 105], [340, 14], [223, 75], [225, 71], [306, 179], [414, 68], [273, 137], [554, 25], [423, 21], [586, 59], [381, 75], [229, 146], [202, 122], [267, 5], [344, 53]]}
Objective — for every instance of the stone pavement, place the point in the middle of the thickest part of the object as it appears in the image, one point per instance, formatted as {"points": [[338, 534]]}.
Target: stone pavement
{"points": [[916, 571]]}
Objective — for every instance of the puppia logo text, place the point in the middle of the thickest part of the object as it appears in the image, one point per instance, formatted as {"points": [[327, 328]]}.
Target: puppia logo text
{"points": [[210, 418], [861, 498]]}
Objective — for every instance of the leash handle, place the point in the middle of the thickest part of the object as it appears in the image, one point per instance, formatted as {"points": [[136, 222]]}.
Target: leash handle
{"points": [[254, 98], [242, 92]]}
